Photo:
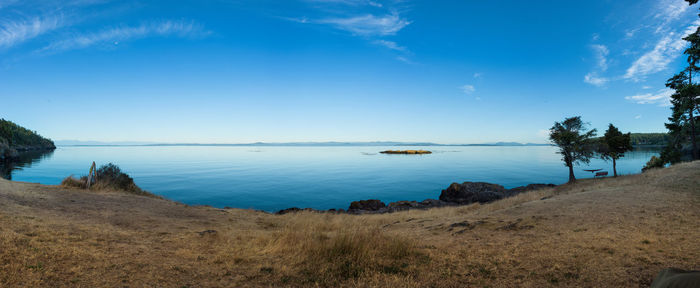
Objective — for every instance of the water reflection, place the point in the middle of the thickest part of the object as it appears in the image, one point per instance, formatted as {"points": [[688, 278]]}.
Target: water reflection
{"points": [[24, 160]]}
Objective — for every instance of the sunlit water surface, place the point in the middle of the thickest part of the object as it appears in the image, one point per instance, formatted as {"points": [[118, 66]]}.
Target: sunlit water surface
{"points": [[273, 178]]}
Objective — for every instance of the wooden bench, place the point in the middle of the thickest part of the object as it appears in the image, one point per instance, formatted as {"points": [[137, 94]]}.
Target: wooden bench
{"points": [[601, 174]]}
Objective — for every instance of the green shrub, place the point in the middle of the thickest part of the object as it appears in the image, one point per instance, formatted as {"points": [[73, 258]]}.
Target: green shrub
{"points": [[654, 162], [107, 177]]}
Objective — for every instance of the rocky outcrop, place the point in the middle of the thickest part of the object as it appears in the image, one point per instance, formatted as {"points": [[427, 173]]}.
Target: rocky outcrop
{"points": [[471, 192], [455, 194], [367, 205], [482, 192], [6, 152], [529, 187], [406, 152], [425, 204], [297, 209]]}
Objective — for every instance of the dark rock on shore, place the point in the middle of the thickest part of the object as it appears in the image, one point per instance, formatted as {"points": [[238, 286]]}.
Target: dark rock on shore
{"points": [[456, 194], [471, 192], [376, 206], [6, 152], [367, 205], [297, 209], [482, 192], [529, 187], [10, 153], [408, 205]]}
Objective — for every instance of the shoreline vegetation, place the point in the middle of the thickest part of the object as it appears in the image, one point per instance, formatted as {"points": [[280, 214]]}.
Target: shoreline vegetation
{"points": [[595, 232], [15, 139], [107, 177]]}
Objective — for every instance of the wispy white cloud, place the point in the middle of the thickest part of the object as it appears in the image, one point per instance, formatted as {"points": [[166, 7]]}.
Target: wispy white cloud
{"points": [[391, 45], [661, 97], [593, 79], [601, 54], [404, 60], [669, 43], [629, 34], [372, 20], [115, 35], [15, 32], [7, 3], [468, 89], [349, 2], [478, 75], [369, 24], [669, 10], [668, 48]]}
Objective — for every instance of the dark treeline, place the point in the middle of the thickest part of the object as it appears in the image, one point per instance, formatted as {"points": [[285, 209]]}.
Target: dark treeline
{"points": [[647, 139], [650, 139], [14, 138], [17, 136]]}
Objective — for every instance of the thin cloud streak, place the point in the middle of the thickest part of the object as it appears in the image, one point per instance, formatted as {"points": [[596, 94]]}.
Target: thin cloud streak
{"points": [[668, 47], [115, 35], [661, 97], [593, 79], [601, 53], [348, 2], [468, 89], [16, 32], [391, 45], [369, 24]]}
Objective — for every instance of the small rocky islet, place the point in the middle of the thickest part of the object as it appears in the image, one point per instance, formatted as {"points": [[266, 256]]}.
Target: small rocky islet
{"points": [[456, 194], [407, 152]]}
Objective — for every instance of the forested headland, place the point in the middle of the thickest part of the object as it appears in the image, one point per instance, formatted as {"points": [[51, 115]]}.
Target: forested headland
{"points": [[15, 138]]}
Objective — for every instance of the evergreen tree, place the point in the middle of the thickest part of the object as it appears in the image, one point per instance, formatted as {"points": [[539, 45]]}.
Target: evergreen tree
{"points": [[682, 124], [614, 145], [575, 144]]}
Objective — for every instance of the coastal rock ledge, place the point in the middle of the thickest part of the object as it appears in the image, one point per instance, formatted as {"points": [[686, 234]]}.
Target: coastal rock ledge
{"points": [[483, 192], [456, 194]]}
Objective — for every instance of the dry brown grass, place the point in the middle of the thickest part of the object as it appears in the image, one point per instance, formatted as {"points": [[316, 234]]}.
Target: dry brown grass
{"points": [[596, 233], [105, 185]]}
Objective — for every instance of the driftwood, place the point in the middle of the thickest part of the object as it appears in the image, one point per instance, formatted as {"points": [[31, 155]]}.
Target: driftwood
{"points": [[92, 175]]}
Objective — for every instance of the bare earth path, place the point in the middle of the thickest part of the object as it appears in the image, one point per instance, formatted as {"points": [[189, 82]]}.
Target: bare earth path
{"points": [[598, 233]]}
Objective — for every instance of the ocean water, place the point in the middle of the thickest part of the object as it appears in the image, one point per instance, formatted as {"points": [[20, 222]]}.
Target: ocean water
{"points": [[273, 178]]}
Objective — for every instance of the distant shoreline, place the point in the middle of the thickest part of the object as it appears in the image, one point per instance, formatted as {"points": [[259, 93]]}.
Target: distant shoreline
{"points": [[324, 144], [321, 145]]}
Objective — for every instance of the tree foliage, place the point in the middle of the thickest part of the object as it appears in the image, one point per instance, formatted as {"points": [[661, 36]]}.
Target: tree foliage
{"points": [[656, 139], [576, 145], [682, 125], [614, 145], [15, 135]]}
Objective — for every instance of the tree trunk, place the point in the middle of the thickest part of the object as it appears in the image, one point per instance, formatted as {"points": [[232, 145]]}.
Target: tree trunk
{"points": [[692, 135], [572, 178], [614, 168], [692, 118]]}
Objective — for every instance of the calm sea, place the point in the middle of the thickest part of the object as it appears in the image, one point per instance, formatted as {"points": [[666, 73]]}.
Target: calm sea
{"points": [[273, 178]]}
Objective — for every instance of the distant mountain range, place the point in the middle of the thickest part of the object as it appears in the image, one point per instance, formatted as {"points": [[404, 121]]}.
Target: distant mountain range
{"points": [[307, 144]]}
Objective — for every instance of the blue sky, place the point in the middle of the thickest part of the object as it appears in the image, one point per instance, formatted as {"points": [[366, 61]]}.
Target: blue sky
{"points": [[336, 70]]}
